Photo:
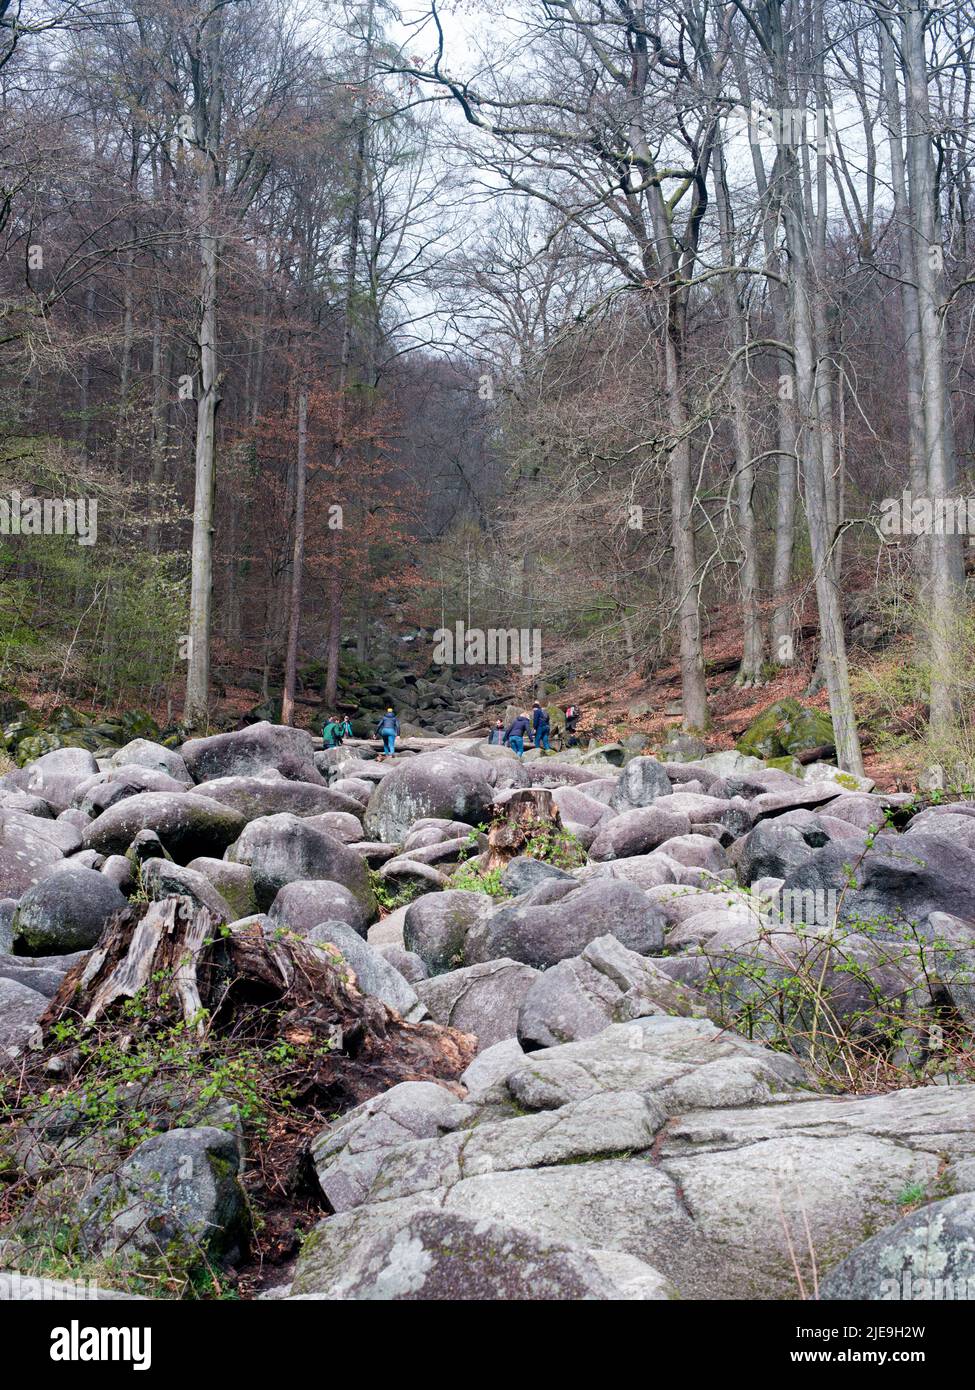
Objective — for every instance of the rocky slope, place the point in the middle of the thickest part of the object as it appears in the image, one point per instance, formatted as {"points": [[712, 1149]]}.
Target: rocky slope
{"points": [[705, 1027]]}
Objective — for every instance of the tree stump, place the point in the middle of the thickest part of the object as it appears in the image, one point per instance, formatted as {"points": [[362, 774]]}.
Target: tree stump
{"points": [[517, 820], [252, 988]]}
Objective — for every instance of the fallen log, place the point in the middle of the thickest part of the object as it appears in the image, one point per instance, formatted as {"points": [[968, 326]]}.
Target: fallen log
{"points": [[825, 752], [408, 745]]}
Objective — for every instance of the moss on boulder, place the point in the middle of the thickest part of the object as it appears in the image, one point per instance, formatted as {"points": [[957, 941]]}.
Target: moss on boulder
{"points": [[787, 727]]}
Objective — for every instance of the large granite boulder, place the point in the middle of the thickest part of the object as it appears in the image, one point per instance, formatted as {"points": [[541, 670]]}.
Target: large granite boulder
{"points": [[283, 849], [896, 885], [66, 911], [637, 832], [186, 824], [251, 751], [436, 926], [481, 999], [142, 752], [303, 905], [444, 784], [542, 933]]}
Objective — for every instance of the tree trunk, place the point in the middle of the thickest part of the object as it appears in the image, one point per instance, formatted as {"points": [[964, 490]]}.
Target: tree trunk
{"points": [[207, 135], [525, 814], [693, 686], [753, 647], [201, 580], [914, 404], [832, 640], [944, 598], [297, 562]]}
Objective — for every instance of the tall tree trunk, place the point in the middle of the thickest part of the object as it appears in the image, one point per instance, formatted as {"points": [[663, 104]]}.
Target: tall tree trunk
{"points": [[207, 118], [914, 403], [334, 638], [787, 463], [753, 647], [944, 593], [693, 686], [297, 562], [797, 229]]}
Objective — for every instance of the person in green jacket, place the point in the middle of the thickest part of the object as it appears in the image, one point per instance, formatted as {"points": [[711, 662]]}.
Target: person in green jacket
{"points": [[334, 732]]}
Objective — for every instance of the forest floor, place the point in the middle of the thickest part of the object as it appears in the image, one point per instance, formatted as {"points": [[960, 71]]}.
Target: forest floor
{"points": [[606, 712]]}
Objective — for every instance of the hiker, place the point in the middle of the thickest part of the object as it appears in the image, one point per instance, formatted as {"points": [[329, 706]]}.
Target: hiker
{"points": [[514, 735], [497, 733], [536, 719], [334, 732], [572, 717], [542, 725], [388, 729]]}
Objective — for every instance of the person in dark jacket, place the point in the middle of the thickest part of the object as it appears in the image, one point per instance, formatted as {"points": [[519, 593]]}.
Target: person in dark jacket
{"points": [[516, 733], [571, 719], [536, 719], [497, 733], [388, 731], [542, 726]]}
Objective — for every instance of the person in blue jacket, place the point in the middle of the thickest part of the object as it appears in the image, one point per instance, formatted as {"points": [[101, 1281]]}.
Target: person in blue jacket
{"points": [[388, 730], [497, 733], [516, 732]]}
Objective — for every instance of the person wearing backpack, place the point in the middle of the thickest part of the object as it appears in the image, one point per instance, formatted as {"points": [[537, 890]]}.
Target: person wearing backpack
{"points": [[388, 730], [572, 717], [334, 732]]}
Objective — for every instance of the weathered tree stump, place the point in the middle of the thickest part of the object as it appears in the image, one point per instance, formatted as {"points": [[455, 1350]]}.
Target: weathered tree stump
{"points": [[519, 819], [257, 989]]}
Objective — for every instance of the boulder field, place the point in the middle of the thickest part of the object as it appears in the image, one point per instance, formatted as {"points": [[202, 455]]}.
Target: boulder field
{"points": [[670, 987]]}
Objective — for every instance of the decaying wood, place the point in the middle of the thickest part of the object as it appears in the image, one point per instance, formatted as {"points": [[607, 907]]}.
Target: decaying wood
{"points": [[816, 755], [258, 989], [517, 819], [168, 939]]}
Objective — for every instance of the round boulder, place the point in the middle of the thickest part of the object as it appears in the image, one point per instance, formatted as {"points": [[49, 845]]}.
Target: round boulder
{"points": [[432, 784], [303, 905], [188, 825], [67, 911], [283, 849]]}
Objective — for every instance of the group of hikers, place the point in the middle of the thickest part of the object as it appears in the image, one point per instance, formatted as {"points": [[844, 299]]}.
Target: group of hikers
{"points": [[337, 730], [535, 725]]}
